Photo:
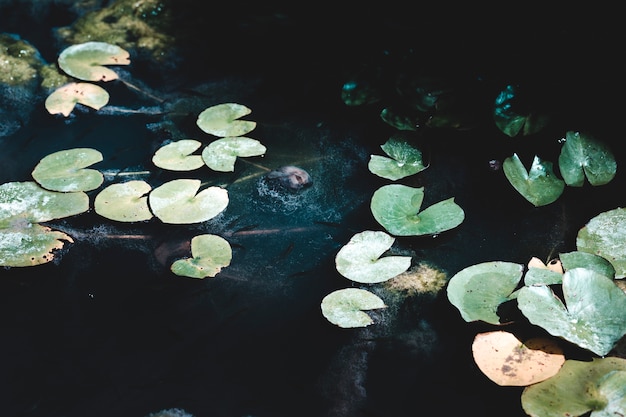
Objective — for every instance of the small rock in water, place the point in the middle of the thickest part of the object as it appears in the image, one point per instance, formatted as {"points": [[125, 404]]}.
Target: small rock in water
{"points": [[289, 177]]}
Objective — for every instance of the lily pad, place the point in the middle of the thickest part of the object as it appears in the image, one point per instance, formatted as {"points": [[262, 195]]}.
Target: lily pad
{"points": [[605, 236], [511, 120], [210, 253], [124, 202], [86, 61], [404, 160], [596, 329], [65, 170], [579, 259], [578, 388], [222, 120], [396, 207], [30, 245], [507, 361], [584, 156], [64, 99], [344, 307], [359, 260], [539, 185], [22, 202], [177, 156], [221, 154], [478, 290], [177, 202]]}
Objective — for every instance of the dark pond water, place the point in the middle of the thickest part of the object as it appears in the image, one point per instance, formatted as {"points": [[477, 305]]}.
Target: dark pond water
{"points": [[107, 329]]}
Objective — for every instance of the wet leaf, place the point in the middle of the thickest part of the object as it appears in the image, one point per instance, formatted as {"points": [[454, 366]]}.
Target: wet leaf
{"points": [[30, 246], [593, 316], [605, 236], [177, 202], [221, 154], [86, 61], [403, 160], [478, 290], [359, 260], [396, 207], [578, 259], [584, 156], [539, 185], [578, 388], [222, 120], [513, 121], [64, 99], [344, 307], [65, 170], [210, 253], [124, 202], [177, 156], [507, 361]]}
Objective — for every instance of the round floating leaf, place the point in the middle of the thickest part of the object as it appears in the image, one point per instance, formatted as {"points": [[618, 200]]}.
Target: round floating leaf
{"points": [[30, 245], [359, 260], [396, 208], [210, 253], [177, 202], [124, 202], [605, 236], [507, 361], [582, 155], [539, 185], [344, 307], [177, 156], [221, 154], [221, 120], [578, 259], [578, 388], [478, 290], [404, 160], [596, 329], [27, 202], [64, 170], [85, 61], [64, 99]]}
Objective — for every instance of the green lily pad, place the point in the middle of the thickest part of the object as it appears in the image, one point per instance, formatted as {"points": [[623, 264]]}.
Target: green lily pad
{"points": [[404, 160], [30, 245], [177, 156], [478, 290], [359, 260], [221, 154], [64, 99], [605, 236], [210, 253], [86, 61], [578, 388], [578, 259], [124, 202], [582, 155], [177, 202], [539, 185], [541, 276], [396, 208], [222, 120], [596, 329], [510, 120], [64, 170], [344, 308], [27, 202]]}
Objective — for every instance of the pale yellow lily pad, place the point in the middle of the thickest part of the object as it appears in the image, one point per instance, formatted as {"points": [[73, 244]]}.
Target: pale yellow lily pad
{"points": [[64, 99], [177, 156], [344, 308], [222, 120], [30, 246], [124, 202], [507, 361], [86, 61], [210, 253], [177, 202], [66, 170]]}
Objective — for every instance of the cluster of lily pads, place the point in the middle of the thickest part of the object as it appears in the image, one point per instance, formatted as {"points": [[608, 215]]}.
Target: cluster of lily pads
{"points": [[396, 207]]}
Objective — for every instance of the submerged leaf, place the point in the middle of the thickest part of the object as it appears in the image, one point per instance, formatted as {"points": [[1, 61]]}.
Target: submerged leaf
{"points": [[396, 208], [64, 99], [124, 202], [85, 61], [344, 307], [359, 260], [177, 202], [221, 154], [539, 185], [65, 170], [222, 120], [210, 253], [510, 120], [605, 236], [177, 156], [582, 155]]}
